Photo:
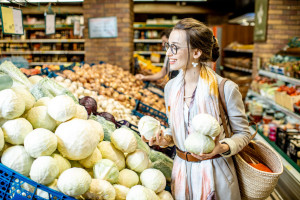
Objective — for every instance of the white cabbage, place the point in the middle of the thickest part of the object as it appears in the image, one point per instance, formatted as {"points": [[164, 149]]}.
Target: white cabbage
{"points": [[44, 170], [137, 161], [106, 170], [81, 112], [18, 159], [121, 192], [108, 151], [100, 189], [42, 102], [39, 118], [40, 142], [140, 192], [206, 124], [62, 108], [62, 163], [153, 179], [11, 105], [35, 79], [26, 96], [2, 142], [148, 127], [77, 139], [74, 182], [165, 195], [128, 178], [92, 159], [197, 143], [16, 130], [124, 140], [98, 128]]}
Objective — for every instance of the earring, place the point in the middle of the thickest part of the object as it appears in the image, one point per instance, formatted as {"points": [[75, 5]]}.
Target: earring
{"points": [[194, 64]]}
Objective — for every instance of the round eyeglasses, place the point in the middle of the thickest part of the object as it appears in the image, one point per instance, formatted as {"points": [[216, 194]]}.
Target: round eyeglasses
{"points": [[174, 48]]}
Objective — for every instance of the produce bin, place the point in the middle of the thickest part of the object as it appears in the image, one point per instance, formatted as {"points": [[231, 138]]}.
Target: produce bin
{"points": [[18, 187], [142, 109]]}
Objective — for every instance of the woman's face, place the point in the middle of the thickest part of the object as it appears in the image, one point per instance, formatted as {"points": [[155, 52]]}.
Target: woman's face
{"points": [[177, 40]]}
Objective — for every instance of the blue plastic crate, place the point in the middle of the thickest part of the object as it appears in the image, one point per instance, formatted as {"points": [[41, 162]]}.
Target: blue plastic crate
{"points": [[18, 187], [140, 106]]}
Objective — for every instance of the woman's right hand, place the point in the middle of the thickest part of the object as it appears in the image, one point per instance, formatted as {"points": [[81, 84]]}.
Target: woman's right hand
{"points": [[159, 139], [140, 76]]}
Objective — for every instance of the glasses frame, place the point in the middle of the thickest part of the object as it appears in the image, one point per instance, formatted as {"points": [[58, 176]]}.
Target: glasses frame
{"points": [[174, 48]]}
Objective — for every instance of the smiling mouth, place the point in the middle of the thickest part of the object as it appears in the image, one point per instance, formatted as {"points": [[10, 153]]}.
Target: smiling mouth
{"points": [[172, 61]]}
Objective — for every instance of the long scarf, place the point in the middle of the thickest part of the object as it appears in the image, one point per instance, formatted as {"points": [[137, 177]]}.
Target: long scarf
{"points": [[192, 180]]}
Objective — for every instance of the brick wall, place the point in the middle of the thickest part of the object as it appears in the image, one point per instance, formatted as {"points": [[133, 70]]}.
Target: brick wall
{"points": [[283, 23], [118, 51]]}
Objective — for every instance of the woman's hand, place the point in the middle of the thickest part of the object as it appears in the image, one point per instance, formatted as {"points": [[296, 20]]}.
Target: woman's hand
{"points": [[159, 139], [219, 149], [140, 76]]}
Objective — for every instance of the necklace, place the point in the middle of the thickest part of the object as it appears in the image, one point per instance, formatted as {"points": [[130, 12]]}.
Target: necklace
{"points": [[188, 97]]}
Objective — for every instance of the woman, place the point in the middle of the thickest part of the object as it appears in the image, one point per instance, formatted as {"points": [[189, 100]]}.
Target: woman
{"points": [[195, 90], [165, 69]]}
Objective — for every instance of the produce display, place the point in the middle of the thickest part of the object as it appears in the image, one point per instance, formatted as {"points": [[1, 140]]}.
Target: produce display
{"points": [[73, 157], [276, 90], [103, 103], [122, 85]]}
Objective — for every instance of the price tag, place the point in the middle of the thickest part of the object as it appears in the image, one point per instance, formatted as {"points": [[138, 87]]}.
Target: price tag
{"points": [[12, 21]]}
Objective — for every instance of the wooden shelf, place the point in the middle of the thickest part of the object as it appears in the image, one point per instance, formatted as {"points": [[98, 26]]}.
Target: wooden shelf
{"points": [[238, 68], [44, 41], [147, 41], [149, 52], [280, 77], [43, 52], [239, 50], [50, 63]]}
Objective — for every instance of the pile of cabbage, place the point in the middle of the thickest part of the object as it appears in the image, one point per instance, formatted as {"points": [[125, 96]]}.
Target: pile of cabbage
{"points": [[47, 136]]}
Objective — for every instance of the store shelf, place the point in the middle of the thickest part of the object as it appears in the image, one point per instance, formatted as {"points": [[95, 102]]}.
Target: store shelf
{"points": [[239, 50], [43, 52], [280, 77], [49, 63], [287, 162], [271, 102], [238, 68], [44, 41], [152, 26], [42, 26], [149, 52], [147, 41], [158, 64]]}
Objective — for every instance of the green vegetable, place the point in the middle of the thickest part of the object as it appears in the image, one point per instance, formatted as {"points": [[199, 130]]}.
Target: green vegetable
{"points": [[161, 162], [108, 127], [15, 73], [55, 89], [5, 81]]}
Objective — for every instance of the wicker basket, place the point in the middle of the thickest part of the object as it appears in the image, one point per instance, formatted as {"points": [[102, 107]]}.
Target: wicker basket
{"points": [[256, 184]]}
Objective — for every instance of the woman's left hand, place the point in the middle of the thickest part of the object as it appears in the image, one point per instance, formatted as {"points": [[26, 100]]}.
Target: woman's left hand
{"points": [[219, 148]]}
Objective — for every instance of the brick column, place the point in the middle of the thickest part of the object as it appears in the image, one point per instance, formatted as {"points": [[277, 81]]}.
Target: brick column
{"points": [[118, 51], [283, 23]]}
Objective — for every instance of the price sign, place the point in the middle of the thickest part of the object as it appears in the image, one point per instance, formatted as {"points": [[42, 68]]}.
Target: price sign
{"points": [[12, 21], [103, 27], [50, 24]]}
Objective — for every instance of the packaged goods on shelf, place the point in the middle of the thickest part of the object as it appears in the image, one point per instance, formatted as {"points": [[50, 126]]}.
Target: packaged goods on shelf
{"points": [[146, 66]]}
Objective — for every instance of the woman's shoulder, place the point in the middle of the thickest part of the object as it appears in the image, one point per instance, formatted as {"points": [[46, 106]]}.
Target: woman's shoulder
{"points": [[229, 85]]}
